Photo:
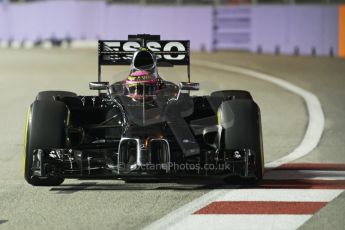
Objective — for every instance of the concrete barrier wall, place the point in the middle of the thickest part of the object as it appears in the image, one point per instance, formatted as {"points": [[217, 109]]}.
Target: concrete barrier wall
{"points": [[286, 29], [191, 23], [97, 20], [295, 29]]}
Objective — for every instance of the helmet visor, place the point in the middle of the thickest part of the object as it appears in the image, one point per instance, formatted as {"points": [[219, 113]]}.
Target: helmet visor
{"points": [[141, 89]]}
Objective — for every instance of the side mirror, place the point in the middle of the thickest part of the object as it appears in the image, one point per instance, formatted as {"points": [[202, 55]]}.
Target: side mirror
{"points": [[98, 85], [189, 86]]}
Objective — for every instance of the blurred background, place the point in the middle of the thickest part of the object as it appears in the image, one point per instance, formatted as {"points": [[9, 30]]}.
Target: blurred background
{"points": [[291, 27]]}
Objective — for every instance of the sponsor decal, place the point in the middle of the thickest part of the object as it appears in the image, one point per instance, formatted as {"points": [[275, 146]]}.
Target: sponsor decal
{"points": [[121, 52]]}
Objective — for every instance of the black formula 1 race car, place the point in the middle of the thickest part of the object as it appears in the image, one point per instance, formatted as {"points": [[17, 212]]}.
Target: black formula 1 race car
{"points": [[143, 126]]}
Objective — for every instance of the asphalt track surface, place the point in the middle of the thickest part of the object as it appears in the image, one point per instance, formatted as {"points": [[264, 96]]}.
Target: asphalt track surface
{"points": [[117, 205]]}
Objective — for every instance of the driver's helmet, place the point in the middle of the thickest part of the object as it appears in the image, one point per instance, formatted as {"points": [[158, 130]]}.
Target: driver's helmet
{"points": [[141, 84]]}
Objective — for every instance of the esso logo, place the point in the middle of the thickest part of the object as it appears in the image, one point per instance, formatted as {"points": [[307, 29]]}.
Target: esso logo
{"points": [[168, 47], [132, 46]]}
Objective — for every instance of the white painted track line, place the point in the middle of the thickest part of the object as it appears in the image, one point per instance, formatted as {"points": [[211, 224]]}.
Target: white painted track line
{"points": [[181, 213], [221, 222], [293, 195], [182, 219]]}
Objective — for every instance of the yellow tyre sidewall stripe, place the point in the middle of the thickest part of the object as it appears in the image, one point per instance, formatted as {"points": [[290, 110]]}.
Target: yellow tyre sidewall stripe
{"points": [[26, 137]]}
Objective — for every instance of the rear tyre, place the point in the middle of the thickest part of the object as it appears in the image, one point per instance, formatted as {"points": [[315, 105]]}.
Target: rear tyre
{"points": [[45, 129], [51, 95], [241, 124]]}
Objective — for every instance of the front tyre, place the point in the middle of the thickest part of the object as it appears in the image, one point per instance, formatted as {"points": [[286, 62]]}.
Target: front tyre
{"points": [[232, 94], [52, 95], [241, 124], [45, 129]]}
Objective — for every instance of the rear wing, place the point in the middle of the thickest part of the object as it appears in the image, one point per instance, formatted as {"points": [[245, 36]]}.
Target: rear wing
{"points": [[120, 52]]}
